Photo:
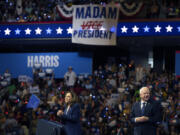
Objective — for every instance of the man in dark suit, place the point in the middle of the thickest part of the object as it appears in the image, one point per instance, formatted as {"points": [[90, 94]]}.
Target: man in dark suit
{"points": [[145, 114]]}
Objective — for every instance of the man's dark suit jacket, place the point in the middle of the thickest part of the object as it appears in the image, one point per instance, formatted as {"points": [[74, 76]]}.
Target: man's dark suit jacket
{"points": [[71, 120], [153, 111]]}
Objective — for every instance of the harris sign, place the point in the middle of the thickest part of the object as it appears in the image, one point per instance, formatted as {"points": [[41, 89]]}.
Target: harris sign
{"points": [[23, 63]]}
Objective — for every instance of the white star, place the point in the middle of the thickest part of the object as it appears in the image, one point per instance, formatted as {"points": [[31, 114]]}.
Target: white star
{"points": [[135, 29], [178, 29], [69, 30], [59, 30], [38, 31], [28, 31], [169, 28], [157, 28], [17, 31], [124, 29], [7, 31], [48, 31], [102, 28], [146, 29]]}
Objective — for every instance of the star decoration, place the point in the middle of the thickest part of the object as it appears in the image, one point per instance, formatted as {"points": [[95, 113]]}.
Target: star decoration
{"points": [[28, 31], [7, 31], [146, 29], [157, 28], [169, 28], [69, 30], [135, 29], [124, 29], [17, 31], [48, 31], [38, 31], [59, 30], [178, 29]]}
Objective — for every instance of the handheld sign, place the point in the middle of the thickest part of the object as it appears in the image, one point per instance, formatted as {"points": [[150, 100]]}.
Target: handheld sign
{"points": [[34, 102]]}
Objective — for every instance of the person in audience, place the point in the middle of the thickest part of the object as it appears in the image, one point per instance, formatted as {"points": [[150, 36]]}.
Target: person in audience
{"points": [[101, 113], [70, 77]]}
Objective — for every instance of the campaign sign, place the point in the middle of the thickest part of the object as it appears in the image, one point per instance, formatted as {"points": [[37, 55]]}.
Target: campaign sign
{"points": [[33, 102], [34, 90], [95, 24], [24, 63]]}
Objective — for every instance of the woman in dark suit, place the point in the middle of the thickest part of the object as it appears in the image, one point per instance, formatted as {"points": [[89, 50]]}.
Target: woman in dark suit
{"points": [[71, 115]]}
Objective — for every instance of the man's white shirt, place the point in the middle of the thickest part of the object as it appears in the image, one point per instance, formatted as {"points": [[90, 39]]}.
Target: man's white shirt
{"points": [[70, 78]]}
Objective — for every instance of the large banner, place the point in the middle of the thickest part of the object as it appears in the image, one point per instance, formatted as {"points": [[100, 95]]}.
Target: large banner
{"points": [[95, 24], [23, 63]]}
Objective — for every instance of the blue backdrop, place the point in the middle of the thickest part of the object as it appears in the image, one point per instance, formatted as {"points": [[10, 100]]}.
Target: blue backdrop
{"points": [[177, 63], [22, 63]]}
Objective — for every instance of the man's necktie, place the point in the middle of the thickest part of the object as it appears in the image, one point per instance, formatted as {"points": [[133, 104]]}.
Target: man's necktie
{"points": [[143, 108]]}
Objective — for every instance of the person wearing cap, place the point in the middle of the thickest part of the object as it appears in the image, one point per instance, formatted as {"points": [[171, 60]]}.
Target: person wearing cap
{"points": [[70, 77], [145, 114]]}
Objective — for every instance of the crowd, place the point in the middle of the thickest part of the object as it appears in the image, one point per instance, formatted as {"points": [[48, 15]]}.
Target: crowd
{"points": [[46, 10], [105, 96]]}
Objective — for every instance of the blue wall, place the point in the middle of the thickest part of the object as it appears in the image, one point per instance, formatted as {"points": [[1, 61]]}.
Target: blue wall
{"points": [[22, 63], [177, 63]]}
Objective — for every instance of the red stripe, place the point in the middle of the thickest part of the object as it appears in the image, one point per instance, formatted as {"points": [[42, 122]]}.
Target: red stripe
{"points": [[66, 18], [124, 20], [38, 22], [178, 76], [124, 15], [177, 51], [150, 20]]}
